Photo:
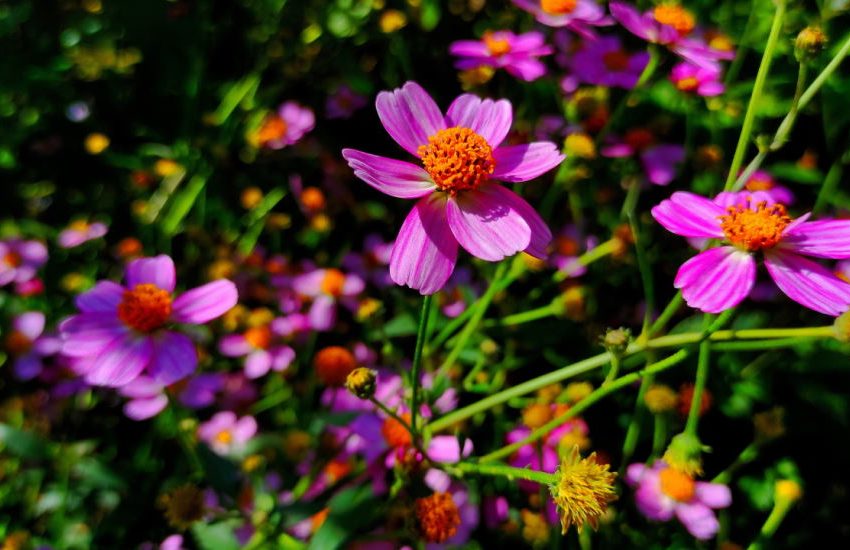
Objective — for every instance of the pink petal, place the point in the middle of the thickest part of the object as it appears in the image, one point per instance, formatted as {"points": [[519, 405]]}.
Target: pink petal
{"points": [[88, 333], [142, 409], [713, 495], [258, 363], [409, 115], [205, 302], [823, 239], [234, 345], [717, 279], [445, 448], [807, 282], [517, 163], [322, 313], [489, 119], [395, 178], [698, 519], [121, 361], [30, 324], [174, 358], [689, 215], [158, 271], [526, 69], [104, 296], [425, 251]]}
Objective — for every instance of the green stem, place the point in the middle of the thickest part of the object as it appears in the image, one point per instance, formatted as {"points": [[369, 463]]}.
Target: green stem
{"points": [[526, 316], [668, 313], [830, 184], [633, 431], [644, 77], [772, 523], [699, 383], [645, 272], [417, 362], [749, 454], [392, 414], [608, 247], [500, 470], [761, 77], [659, 435], [827, 71]]}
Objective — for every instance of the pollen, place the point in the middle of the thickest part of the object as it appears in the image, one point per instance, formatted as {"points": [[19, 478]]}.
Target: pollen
{"points": [[754, 230], [677, 484], [617, 60], [496, 44], [394, 432], [333, 282], [145, 308], [438, 517], [457, 159], [675, 16], [333, 364], [687, 84], [225, 437], [258, 337], [583, 490], [558, 7]]}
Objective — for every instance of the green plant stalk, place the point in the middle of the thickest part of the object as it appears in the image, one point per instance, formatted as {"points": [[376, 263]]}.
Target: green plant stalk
{"points": [[780, 509], [417, 362], [542, 312], [659, 435], [633, 431], [669, 311], [645, 274], [605, 249], [500, 470], [699, 384], [761, 77], [644, 77], [830, 184]]}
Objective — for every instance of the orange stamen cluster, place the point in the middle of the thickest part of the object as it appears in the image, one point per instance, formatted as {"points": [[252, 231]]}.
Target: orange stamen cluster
{"points": [[675, 16], [438, 517], [616, 61], [17, 343], [558, 7], [145, 308], [225, 437], [496, 46], [754, 230], [273, 129], [333, 364], [677, 484], [13, 259], [687, 84], [759, 184], [457, 159], [333, 282], [258, 337], [394, 432]]}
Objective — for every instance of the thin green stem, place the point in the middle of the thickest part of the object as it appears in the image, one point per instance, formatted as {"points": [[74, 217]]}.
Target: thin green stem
{"points": [[772, 523], [500, 470], [761, 77], [605, 249], [645, 273], [417, 362], [668, 313], [526, 316], [392, 414], [699, 383], [644, 77], [659, 435], [749, 454], [830, 184], [633, 431]]}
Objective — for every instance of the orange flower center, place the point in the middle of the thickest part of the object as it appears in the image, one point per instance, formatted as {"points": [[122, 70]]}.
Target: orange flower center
{"points": [[457, 159], [224, 437], [145, 308], [333, 365], [313, 199], [273, 128], [719, 41], [333, 282], [558, 7], [394, 432], [757, 229], [616, 61], [639, 138], [759, 184], [13, 259], [497, 46], [17, 343], [566, 246], [675, 16], [259, 337], [687, 84], [438, 517], [337, 469], [677, 485]]}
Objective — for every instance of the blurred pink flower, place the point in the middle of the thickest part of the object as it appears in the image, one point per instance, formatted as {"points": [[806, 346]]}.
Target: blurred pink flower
{"points": [[516, 53], [226, 434], [80, 232]]}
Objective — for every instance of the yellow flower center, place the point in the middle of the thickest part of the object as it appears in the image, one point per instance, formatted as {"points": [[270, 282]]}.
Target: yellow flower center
{"points": [[754, 230], [259, 337], [583, 490], [333, 282], [687, 84], [272, 129], [224, 437], [759, 184], [677, 485], [616, 61], [438, 517], [457, 159], [675, 16], [145, 308], [496, 46], [79, 225], [558, 7], [13, 259]]}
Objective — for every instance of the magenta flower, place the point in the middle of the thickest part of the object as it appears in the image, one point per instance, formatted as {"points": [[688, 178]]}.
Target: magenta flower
{"points": [[126, 330], [577, 15], [516, 53], [80, 232], [327, 287], [663, 492], [20, 260], [286, 127], [459, 202], [660, 161], [226, 434], [344, 102], [601, 62], [262, 353], [720, 278], [146, 398], [762, 182], [29, 345], [703, 81]]}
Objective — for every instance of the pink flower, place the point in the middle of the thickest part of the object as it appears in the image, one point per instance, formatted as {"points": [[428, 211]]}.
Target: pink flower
{"points": [[602, 62], [123, 331], [517, 54], [20, 260], [371, 264], [284, 128], [663, 492], [261, 350], [327, 287], [459, 202], [147, 398], [80, 232], [29, 345], [720, 278], [660, 161], [690, 78], [226, 434], [578, 15]]}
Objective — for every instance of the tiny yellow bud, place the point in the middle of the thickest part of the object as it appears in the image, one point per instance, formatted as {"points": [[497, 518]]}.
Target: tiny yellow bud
{"points": [[392, 20], [96, 143], [788, 490], [362, 382]]}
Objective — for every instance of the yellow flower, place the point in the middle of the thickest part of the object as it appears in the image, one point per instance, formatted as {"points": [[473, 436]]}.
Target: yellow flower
{"points": [[392, 20], [660, 398], [580, 145], [576, 391], [583, 490], [166, 167], [535, 530], [96, 143]]}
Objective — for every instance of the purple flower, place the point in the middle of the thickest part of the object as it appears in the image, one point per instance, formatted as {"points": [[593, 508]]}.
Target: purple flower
{"points": [[703, 81], [660, 161], [284, 128], [568, 246], [147, 398], [720, 278], [455, 207], [601, 62], [79, 232], [343, 102], [517, 54], [327, 287], [125, 330], [662, 492], [577, 15], [371, 264], [28, 345], [200, 390], [260, 350], [20, 260], [226, 434]]}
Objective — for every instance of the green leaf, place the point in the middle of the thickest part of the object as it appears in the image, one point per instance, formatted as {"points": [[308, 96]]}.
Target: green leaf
{"points": [[349, 510], [797, 174], [215, 536], [403, 325], [182, 204], [23, 444]]}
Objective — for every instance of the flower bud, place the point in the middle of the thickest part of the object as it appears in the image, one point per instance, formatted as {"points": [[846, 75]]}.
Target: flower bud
{"points": [[616, 341], [787, 490], [361, 382], [810, 42], [685, 454]]}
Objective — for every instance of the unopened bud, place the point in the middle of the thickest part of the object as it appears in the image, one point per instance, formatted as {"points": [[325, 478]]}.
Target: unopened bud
{"points": [[788, 490], [616, 341], [810, 42], [361, 382]]}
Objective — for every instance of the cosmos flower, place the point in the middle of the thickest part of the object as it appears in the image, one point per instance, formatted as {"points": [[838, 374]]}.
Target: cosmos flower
{"points": [[226, 434], [146, 398], [703, 81], [459, 201], [344, 102], [601, 62], [720, 278], [577, 15], [80, 232], [127, 330], [662, 492], [285, 127], [327, 287], [20, 260], [261, 350], [29, 345], [568, 247], [660, 161], [516, 53]]}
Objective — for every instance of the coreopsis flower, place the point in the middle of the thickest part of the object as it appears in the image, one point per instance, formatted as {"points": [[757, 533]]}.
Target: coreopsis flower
{"points": [[28, 344], [226, 434], [583, 490], [283, 128], [459, 201], [79, 232], [601, 62], [343, 102], [516, 53], [262, 349], [577, 15], [662, 492], [127, 330], [703, 81], [437, 517], [660, 161], [720, 278], [327, 287], [20, 260]]}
